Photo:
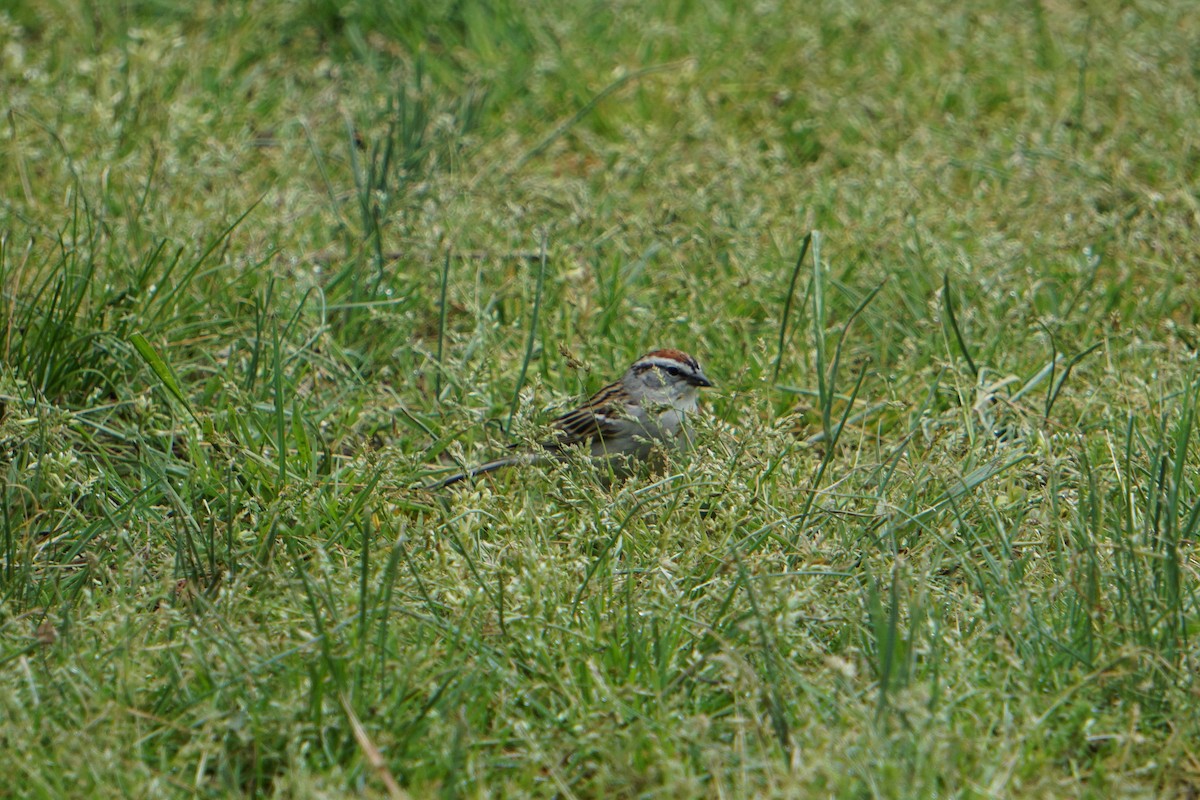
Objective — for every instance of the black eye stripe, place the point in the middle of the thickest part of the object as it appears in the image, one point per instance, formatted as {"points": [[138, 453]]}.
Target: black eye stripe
{"points": [[671, 367]]}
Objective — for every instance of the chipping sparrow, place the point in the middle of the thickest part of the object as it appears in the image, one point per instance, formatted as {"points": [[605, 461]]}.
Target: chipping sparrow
{"points": [[645, 408]]}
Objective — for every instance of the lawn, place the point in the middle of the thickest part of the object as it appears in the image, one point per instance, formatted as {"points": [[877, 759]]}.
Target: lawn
{"points": [[269, 270]]}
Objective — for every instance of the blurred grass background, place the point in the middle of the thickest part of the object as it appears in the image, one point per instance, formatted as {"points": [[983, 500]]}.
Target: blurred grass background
{"points": [[267, 267]]}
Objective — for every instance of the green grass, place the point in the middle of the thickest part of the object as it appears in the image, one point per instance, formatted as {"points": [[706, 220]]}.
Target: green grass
{"points": [[267, 269]]}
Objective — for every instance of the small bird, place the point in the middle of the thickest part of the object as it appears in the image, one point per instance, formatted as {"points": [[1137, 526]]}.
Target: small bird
{"points": [[628, 418]]}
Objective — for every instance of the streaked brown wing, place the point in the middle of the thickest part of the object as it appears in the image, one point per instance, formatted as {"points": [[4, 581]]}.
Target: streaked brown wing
{"points": [[592, 420]]}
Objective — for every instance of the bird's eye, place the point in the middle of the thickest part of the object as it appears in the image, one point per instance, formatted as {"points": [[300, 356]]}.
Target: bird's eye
{"points": [[672, 370]]}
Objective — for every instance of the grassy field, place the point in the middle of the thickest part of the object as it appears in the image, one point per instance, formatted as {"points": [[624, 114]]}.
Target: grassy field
{"points": [[268, 269]]}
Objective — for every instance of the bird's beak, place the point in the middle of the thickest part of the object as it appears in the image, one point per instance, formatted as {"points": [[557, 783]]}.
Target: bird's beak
{"points": [[701, 380]]}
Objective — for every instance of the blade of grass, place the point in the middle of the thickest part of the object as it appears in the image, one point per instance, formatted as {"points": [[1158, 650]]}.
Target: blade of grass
{"points": [[441, 340], [373, 755], [533, 326], [787, 306], [162, 370], [824, 396], [1057, 385], [948, 302]]}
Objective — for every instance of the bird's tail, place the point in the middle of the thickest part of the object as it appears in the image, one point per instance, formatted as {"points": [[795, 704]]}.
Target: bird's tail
{"points": [[482, 469]]}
